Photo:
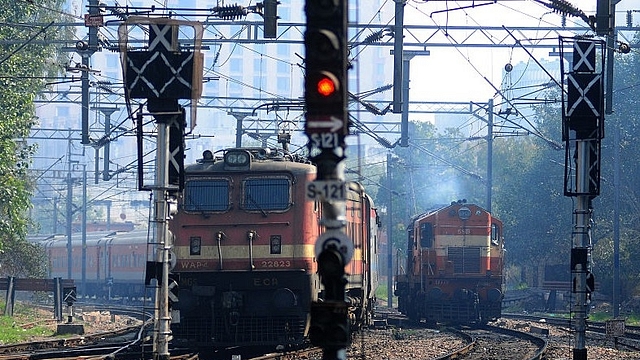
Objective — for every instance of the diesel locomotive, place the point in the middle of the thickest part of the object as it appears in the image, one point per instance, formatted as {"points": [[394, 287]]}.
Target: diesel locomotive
{"points": [[454, 267]]}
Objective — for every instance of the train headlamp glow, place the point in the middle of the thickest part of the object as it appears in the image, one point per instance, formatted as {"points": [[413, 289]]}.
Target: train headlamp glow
{"points": [[464, 213], [236, 158]]}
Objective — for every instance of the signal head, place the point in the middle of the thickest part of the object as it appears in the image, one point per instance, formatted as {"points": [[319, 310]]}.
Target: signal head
{"points": [[327, 85], [326, 63]]}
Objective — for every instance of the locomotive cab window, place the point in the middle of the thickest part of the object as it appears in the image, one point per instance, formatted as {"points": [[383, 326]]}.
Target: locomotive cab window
{"points": [[495, 234], [411, 243], [206, 195], [266, 194], [426, 235]]}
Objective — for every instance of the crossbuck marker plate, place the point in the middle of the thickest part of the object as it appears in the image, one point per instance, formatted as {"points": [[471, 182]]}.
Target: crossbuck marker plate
{"points": [[329, 190]]}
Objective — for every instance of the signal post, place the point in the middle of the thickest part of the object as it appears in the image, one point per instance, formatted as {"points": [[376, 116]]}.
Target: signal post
{"points": [[326, 126], [163, 72], [582, 132]]}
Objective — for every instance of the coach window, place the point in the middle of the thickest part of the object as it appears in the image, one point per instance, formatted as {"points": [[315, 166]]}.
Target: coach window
{"points": [[266, 194], [206, 195]]}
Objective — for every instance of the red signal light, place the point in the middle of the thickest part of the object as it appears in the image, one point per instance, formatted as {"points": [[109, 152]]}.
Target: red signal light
{"points": [[326, 87]]}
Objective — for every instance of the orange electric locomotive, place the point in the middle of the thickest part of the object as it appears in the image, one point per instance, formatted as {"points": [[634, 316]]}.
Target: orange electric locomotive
{"points": [[244, 239], [454, 270]]}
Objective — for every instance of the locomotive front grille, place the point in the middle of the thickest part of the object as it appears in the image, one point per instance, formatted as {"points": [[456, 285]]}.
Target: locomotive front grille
{"points": [[452, 312], [285, 330], [465, 259], [195, 330]]}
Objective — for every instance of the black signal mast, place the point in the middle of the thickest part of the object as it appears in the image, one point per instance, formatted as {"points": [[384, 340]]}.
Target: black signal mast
{"points": [[326, 126]]}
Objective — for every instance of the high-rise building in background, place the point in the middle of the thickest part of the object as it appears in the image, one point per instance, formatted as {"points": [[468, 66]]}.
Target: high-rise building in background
{"points": [[248, 80]]}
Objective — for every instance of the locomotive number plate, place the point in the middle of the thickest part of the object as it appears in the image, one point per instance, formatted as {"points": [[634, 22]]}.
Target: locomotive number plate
{"points": [[331, 190]]}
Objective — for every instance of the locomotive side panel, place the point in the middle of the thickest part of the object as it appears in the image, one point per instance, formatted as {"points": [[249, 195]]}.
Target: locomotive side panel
{"points": [[361, 271]]}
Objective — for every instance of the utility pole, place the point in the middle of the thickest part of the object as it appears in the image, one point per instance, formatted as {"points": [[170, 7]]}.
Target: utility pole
{"points": [[239, 129], [489, 154], [86, 49], [69, 213], [389, 233], [407, 55], [69, 207], [616, 222], [104, 142], [398, 44], [83, 283], [605, 26], [56, 198]]}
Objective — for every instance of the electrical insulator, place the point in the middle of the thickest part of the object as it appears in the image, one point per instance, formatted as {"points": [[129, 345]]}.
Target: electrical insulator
{"points": [[230, 12]]}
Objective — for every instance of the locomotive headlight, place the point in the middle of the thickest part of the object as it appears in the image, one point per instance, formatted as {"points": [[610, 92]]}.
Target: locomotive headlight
{"points": [[236, 158], [464, 213], [195, 245]]}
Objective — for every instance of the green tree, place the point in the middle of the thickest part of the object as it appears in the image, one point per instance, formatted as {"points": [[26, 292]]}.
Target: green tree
{"points": [[626, 121], [529, 197], [26, 57]]}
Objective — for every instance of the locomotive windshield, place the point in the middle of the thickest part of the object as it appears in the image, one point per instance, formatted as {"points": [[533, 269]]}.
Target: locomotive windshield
{"points": [[266, 194], [206, 195], [258, 194]]}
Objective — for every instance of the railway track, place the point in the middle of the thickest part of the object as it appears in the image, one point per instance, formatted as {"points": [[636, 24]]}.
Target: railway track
{"points": [[400, 339], [104, 343], [310, 353], [492, 342], [559, 332], [130, 342], [487, 342]]}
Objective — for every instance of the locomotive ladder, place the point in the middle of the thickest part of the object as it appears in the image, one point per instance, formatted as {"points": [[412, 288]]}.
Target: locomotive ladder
{"points": [[155, 267], [152, 271]]}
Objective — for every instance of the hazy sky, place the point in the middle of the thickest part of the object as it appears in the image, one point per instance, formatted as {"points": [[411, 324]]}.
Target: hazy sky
{"points": [[462, 74]]}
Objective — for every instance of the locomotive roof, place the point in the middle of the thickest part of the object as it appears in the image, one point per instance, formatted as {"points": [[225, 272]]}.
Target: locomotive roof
{"points": [[261, 160], [444, 208], [138, 236]]}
